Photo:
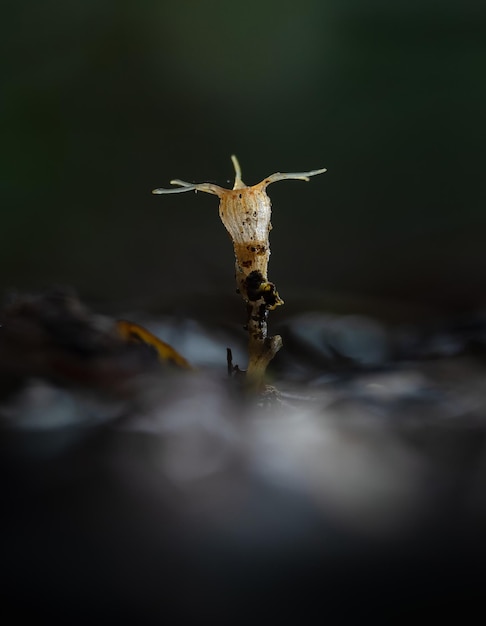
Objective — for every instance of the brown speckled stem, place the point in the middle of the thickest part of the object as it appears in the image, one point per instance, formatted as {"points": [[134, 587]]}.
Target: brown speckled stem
{"points": [[261, 348]]}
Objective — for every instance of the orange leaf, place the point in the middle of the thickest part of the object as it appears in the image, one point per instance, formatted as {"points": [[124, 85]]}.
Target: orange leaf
{"points": [[138, 334]]}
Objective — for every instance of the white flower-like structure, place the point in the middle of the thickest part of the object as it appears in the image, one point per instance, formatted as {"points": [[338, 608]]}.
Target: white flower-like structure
{"points": [[246, 215]]}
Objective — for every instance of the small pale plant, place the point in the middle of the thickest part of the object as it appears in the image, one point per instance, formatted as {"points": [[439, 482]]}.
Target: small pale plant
{"points": [[246, 214]]}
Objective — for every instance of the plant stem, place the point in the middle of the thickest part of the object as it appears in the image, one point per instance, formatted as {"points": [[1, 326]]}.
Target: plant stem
{"points": [[261, 348]]}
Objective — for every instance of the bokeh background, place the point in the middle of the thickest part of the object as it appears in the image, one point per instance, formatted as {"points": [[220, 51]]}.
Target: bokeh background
{"points": [[103, 100], [363, 486]]}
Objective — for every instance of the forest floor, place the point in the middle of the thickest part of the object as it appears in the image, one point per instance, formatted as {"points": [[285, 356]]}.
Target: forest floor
{"points": [[135, 490]]}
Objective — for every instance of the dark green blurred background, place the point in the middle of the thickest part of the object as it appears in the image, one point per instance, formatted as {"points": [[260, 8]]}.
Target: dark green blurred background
{"points": [[103, 100]]}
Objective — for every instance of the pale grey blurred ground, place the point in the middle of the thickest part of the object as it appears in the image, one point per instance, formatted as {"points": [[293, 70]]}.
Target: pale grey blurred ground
{"points": [[173, 496]]}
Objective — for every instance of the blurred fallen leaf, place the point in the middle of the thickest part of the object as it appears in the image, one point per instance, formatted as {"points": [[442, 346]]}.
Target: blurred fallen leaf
{"points": [[54, 337], [138, 334]]}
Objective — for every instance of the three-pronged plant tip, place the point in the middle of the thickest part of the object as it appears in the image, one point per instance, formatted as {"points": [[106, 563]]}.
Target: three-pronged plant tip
{"points": [[246, 213]]}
